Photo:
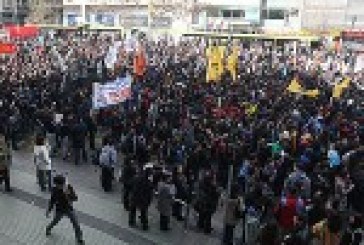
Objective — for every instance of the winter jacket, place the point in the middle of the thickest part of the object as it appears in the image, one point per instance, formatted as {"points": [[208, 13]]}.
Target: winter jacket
{"points": [[41, 157], [165, 198]]}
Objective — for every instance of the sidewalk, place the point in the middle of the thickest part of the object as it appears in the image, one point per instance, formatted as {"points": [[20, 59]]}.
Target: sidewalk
{"points": [[98, 210]]}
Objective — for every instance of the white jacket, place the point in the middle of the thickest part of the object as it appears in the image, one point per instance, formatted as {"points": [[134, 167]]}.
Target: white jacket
{"points": [[46, 165]]}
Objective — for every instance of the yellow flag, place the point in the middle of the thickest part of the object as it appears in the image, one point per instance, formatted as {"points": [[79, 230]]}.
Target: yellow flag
{"points": [[339, 88], [311, 93], [232, 64], [345, 83], [215, 63], [294, 86], [337, 91]]}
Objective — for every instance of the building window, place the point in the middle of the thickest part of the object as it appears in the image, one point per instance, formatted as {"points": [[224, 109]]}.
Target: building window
{"points": [[238, 13], [226, 13], [8, 15], [88, 18], [8, 3], [276, 14]]}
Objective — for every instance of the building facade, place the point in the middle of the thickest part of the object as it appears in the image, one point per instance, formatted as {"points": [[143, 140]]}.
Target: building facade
{"points": [[129, 14], [13, 11], [225, 16]]}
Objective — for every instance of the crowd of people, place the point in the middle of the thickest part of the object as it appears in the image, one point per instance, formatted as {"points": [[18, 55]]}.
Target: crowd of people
{"points": [[289, 165]]}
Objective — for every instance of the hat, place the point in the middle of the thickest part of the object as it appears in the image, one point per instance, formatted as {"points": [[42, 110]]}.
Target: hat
{"points": [[59, 180]]}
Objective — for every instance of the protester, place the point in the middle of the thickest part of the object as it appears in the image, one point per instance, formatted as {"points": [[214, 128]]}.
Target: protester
{"points": [[206, 204], [233, 213], [42, 163], [289, 124], [108, 160], [5, 162], [62, 197], [140, 199], [165, 199]]}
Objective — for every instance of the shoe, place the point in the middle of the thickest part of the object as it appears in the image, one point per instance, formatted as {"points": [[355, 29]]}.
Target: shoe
{"points": [[80, 242], [132, 225], [48, 232], [9, 190]]}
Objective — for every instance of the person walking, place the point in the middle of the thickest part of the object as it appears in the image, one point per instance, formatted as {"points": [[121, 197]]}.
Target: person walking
{"points": [[79, 131], [108, 158], [42, 162], [207, 202], [62, 198], [165, 200], [141, 198], [233, 213], [128, 175], [5, 162]]}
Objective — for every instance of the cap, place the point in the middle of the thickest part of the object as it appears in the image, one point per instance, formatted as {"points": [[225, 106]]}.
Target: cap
{"points": [[59, 180]]}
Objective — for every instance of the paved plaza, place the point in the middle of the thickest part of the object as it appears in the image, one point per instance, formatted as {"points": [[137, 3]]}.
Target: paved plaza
{"points": [[102, 216]]}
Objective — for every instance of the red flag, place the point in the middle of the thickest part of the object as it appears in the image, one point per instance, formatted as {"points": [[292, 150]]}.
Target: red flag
{"points": [[7, 48], [22, 31], [139, 64]]}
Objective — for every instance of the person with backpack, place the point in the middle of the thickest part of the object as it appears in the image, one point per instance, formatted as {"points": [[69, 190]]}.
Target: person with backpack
{"points": [[42, 162], [108, 158], [5, 162], [62, 197]]}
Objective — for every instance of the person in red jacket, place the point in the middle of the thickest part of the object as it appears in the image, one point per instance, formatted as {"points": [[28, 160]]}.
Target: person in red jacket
{"points": [[290, 207]]}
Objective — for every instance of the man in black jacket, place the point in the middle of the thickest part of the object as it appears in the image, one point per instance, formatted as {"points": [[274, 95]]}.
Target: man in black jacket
{"points": [[141, 198], [127, 179], [62, 197]]}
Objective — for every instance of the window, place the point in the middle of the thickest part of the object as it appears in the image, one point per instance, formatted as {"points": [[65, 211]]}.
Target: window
{"points": [[238, 13], [213, 13], [8, 3], [276, 14], [226, 13], [8, 15]]}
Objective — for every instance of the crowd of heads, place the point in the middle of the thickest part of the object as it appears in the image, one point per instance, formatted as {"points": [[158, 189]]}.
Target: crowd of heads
{"points": [[180, 119]]}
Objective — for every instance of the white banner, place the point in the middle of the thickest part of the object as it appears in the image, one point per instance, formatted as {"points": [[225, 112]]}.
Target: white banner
{"points": [[111, 93]]}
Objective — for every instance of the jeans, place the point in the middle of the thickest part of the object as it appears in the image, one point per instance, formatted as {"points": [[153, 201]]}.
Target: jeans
{"points": [[45, 176], [71, 215]]}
